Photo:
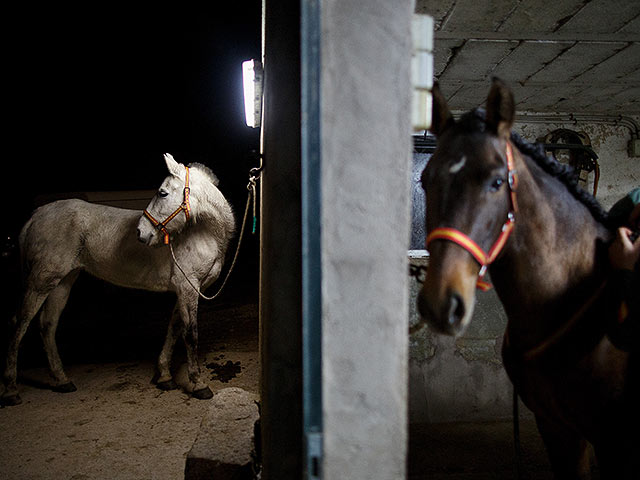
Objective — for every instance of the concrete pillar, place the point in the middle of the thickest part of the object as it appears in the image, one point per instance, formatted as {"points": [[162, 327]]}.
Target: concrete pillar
{"points": [[366, 155]]}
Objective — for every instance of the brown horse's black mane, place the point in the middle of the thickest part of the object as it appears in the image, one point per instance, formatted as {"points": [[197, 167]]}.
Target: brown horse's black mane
{"points": [[474, 122]]}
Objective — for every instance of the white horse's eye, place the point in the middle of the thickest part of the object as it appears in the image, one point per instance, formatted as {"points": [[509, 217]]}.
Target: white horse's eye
{"points": [[162, 193]]}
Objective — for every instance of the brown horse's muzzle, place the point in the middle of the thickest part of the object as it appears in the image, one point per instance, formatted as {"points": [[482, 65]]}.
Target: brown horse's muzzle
{"points": [[447, 298]]}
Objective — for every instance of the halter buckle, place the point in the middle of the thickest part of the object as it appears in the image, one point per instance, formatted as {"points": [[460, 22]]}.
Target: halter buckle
{"points": [[510, 219]]}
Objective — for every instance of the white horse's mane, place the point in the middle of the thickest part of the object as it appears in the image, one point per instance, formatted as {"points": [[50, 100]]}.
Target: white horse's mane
{"points": [[210, 206], [207, 171]]}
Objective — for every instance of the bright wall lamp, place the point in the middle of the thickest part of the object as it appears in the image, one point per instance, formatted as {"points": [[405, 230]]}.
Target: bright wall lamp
{"points": [[252, 83]]}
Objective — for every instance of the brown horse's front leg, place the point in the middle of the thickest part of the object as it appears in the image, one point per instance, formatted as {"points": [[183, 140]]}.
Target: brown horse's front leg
{"points": [[618, 449], [569, 453], [189, 312]]}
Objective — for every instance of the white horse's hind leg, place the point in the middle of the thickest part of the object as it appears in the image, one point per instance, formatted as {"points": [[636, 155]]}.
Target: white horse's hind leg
{"points": [[188, 305], [49, 317], [31, 303], [165, 379]]}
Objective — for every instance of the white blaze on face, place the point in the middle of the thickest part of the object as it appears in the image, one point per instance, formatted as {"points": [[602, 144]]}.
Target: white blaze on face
{"points": [[456, 167]]}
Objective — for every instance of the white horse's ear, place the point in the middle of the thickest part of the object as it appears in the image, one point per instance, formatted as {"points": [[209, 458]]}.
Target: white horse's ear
{"points": [[174, 167]]}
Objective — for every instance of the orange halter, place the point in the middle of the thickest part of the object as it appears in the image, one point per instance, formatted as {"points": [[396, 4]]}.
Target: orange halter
{"points": [[184, 207], [462, 239]]}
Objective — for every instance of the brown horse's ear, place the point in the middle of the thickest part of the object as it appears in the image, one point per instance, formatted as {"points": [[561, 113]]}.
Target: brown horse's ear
{"points": [[441, 117], [501, 109]]}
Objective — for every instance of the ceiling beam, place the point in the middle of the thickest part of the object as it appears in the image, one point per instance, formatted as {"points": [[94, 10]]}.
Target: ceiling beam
{"points": [[540, 36]]}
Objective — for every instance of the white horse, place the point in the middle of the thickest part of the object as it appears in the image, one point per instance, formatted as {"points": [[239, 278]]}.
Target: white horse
{"points": [[117, 245]]}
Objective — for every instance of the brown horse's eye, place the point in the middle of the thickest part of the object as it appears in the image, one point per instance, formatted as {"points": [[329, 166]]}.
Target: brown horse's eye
{"points": [[496, 184]]}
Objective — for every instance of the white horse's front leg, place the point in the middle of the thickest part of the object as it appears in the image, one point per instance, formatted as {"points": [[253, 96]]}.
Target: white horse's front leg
{"points": [[165, 379], [188, 305]]}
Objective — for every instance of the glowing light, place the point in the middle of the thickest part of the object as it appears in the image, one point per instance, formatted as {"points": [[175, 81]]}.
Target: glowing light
{"points": [[252, 83]]}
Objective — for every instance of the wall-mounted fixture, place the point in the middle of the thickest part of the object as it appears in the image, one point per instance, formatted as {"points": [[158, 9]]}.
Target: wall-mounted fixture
{"points": [[574, 148], [633, 147], [252, 85]]}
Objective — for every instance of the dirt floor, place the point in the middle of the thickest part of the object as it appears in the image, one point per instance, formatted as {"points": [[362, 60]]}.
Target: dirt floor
{"points": [[477, 451], [118, 425]]}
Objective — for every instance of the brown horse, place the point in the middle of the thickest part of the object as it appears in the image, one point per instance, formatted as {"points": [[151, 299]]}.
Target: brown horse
{"points": [[489, 191]]}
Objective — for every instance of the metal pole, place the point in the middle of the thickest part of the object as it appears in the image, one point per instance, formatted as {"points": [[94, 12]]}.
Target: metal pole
{"points": [[311, 238]]}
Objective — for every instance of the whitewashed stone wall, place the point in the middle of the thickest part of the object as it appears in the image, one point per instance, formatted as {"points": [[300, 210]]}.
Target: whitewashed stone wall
{"points": [[619, 173]]}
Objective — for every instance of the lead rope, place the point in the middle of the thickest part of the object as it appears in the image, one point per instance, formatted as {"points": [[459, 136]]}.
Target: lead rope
{"points": [[251, 197]]}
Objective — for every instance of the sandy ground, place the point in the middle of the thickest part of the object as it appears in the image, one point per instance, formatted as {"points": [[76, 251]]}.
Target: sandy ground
{"points": [[118, 425]]}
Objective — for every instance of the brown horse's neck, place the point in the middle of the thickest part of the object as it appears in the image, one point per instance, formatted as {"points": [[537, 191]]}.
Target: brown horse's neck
{"points": [[554, 261]]}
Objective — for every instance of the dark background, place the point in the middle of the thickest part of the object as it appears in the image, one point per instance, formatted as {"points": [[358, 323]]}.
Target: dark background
{"points": [[93, 97]]}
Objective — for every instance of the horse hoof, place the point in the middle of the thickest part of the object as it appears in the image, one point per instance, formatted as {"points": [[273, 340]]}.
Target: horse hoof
{"points": [[202, 394], [167, 385], [64, 388], [10, 400]]}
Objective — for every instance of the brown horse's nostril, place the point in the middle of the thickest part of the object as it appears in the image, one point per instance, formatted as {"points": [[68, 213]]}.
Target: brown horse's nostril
{"points": [[456, 310], [444, 317]]}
